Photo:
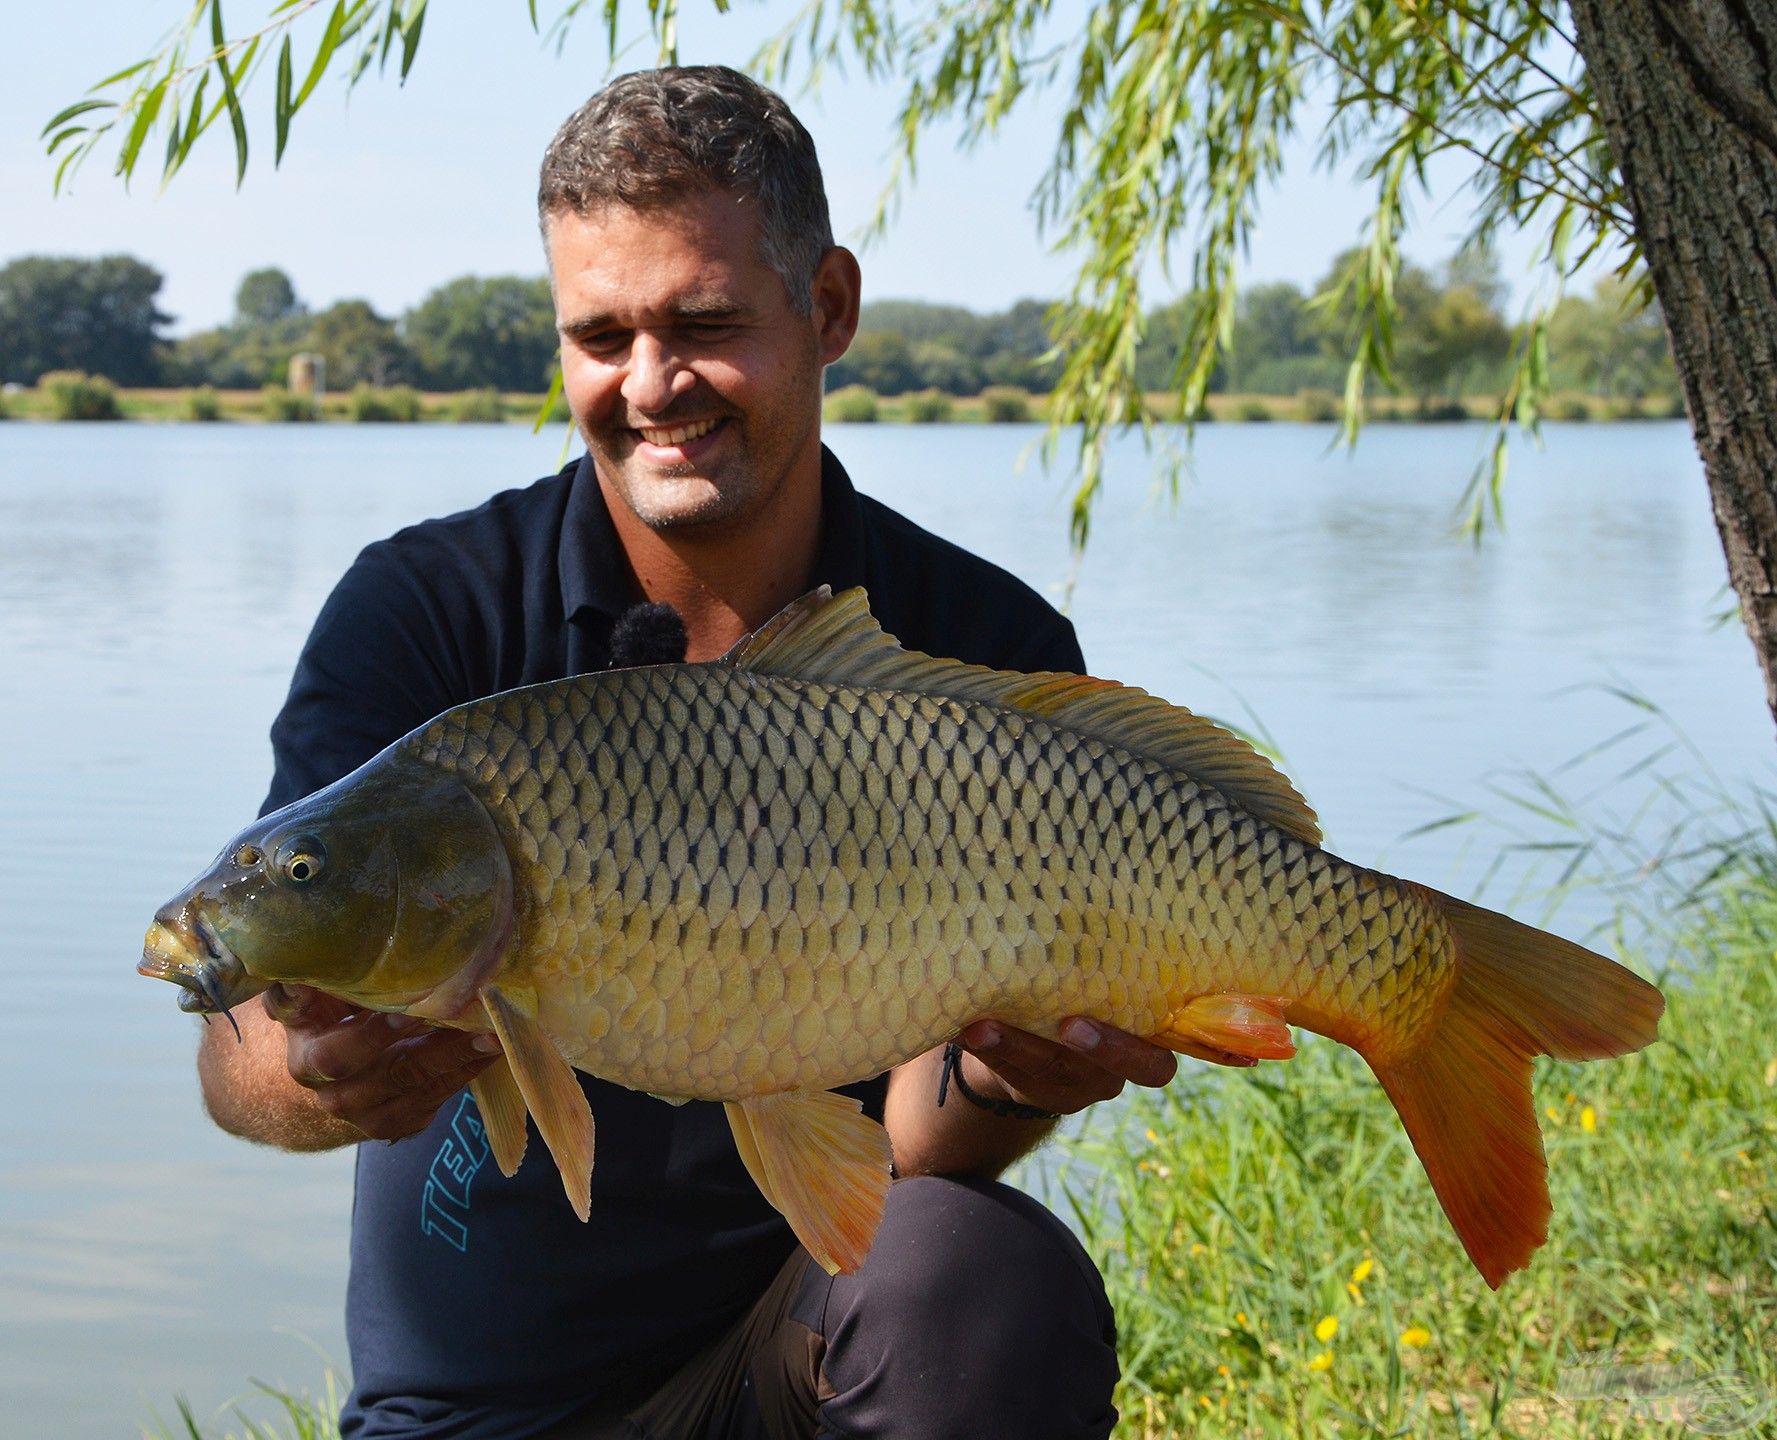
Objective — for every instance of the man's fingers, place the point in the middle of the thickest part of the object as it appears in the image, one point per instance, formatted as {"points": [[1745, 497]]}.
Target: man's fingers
{"points": [[1093, 1063], [347, 1047], [1129, 1056], [429, 1062], [1037, 1071], [393, 1118], [404, 1082]]}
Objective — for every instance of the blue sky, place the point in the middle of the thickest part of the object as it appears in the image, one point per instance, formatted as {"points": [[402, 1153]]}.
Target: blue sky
{"points": [[390, 192]]}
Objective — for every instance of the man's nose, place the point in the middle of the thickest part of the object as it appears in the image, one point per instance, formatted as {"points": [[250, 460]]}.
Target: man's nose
{"points": [[656, 376]]}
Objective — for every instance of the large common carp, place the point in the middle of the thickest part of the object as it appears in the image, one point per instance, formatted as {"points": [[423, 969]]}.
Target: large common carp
{"points": [[756, 879]]}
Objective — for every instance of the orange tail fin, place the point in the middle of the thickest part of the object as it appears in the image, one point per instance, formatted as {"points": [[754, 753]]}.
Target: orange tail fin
{"points": [[1464, 1096]]}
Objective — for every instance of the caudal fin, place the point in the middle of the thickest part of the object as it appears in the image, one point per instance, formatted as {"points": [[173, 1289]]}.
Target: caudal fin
{"points": [[1464, 1096]]}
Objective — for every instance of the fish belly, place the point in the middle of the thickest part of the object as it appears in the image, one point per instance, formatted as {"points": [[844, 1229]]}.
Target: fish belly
{"points": [[729, 884]]}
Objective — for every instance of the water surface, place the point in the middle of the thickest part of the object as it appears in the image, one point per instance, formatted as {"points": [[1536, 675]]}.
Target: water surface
{"points": [[157, 581]]}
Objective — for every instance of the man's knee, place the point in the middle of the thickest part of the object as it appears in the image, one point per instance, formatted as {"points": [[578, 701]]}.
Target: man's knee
{"points": [[977, 1313]]}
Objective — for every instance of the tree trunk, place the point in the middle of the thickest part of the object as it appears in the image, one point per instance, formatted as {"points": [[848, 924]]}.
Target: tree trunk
{"points": [[1687, 94]]}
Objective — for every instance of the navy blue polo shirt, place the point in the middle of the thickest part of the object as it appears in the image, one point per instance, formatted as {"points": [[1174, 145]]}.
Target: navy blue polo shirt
{"points": [[479, 1306]]}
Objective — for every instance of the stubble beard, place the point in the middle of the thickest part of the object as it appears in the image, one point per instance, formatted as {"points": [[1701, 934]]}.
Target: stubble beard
{"points": [[677, 497]]}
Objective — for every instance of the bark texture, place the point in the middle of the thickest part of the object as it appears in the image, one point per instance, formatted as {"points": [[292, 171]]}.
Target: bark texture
{"points": [[1688, 94]]}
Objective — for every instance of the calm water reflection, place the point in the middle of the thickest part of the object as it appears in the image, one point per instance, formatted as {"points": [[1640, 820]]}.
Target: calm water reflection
{"points": [[157, 581]]}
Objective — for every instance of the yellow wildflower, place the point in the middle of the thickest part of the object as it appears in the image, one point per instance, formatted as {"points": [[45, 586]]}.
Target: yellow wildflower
{"points": [[1588, 1119], [1223, 1371], [1364, 1267], [1240, 1318], [1199, 1248], [1553, 1114], [1204, 1401], [1322, 1361], [1153, 1139], [1327, 1329], [1357, 1296], [1414, 1336]]}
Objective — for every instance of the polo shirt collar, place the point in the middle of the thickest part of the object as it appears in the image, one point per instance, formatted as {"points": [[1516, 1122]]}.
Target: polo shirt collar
{"points": [[840, 560], [595, 574]]}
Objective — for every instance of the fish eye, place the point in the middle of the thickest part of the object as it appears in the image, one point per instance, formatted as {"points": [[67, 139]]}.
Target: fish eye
{"points": [[248, 856], [301, 859]]}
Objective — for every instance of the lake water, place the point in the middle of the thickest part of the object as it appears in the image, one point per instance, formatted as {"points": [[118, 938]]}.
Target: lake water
{"points": [[156, 583]]}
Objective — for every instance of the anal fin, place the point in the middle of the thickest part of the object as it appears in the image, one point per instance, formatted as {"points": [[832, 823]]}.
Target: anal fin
{"points": [[503, 1113], [552, 1091], [823, 1163], [1246, 1027]]}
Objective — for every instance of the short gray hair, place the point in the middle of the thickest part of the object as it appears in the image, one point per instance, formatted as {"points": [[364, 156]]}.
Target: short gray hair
{"points": [[650, 139]]}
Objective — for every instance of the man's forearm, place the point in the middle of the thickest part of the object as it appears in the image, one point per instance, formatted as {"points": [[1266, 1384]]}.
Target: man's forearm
{"points": [[249, 1092], [961, 1138]]}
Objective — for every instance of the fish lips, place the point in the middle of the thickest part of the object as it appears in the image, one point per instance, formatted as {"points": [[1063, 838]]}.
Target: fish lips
{"points": [[185, 948]]}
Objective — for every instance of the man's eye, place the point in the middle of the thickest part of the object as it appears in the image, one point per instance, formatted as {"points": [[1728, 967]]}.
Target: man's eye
{"points": [[709, 330]]}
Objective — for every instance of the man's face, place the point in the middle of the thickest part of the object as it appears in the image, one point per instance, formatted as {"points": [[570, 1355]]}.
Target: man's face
{"points": [[695, 382]]}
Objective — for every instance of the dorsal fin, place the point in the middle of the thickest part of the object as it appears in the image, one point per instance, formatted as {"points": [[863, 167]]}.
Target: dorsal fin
{"points": [[835, 638]]}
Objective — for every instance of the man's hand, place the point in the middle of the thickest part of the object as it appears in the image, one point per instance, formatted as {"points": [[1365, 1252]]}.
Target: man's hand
{"points": [[1094, 1063], [385, 1075]]}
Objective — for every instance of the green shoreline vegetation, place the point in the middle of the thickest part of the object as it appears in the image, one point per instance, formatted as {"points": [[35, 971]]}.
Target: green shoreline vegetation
{"points": [[484, 349], [73, 395], [1280, 1267]]}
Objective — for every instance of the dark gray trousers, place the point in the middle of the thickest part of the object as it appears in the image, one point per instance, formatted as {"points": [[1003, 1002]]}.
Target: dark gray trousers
{"points": [[976, 1316]]}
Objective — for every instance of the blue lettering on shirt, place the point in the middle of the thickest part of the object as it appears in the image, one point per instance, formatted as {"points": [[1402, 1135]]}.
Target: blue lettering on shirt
{"points": [[444, 1205]]}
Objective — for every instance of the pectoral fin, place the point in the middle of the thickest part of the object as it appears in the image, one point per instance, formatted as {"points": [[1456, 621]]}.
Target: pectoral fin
{"points": [[502, 1114], [823, 1163], [552, 1091], [1250, 1026]]}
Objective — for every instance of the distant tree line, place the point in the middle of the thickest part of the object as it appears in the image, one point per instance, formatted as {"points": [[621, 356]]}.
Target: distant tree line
{"points": [[907, 345], [1452, 337], [99, 316]]}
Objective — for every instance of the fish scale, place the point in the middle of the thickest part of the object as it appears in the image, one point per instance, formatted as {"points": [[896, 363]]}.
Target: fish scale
{"points": [[1143, 889], [754, 880]]}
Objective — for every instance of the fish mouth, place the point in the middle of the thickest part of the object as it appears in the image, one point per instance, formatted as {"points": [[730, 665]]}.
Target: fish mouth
{"points": [[184, 948]]}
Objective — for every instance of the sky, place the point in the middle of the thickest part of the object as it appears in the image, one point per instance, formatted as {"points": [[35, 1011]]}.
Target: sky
{"points": [[389, 191]]}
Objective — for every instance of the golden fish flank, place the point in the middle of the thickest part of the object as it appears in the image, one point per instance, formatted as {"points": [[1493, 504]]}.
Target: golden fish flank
{"points": [[755, 880], [715, 876]]}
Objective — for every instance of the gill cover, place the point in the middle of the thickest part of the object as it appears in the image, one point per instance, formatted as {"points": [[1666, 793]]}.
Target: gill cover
{"points": [[389, 888]]}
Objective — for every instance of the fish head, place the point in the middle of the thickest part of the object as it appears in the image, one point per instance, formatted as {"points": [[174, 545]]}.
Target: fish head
{"points": [[381, 888]]}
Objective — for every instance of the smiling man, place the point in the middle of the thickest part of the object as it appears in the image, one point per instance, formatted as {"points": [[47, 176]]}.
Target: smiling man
{"points": [[699, 295]]}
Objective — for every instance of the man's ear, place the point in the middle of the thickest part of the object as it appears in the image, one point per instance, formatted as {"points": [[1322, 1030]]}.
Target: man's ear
{"points": [[835, 293]]}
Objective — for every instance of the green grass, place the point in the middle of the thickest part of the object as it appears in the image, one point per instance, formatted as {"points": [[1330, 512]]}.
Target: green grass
{"points": [[1236, 1212], [295, 1417]]}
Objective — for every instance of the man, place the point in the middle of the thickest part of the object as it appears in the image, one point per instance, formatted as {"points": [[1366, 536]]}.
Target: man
{"points": [[699, 295]]}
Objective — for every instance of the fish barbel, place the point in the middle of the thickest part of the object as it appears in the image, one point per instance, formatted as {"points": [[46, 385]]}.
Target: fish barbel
{"points": [[757, 879]]}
